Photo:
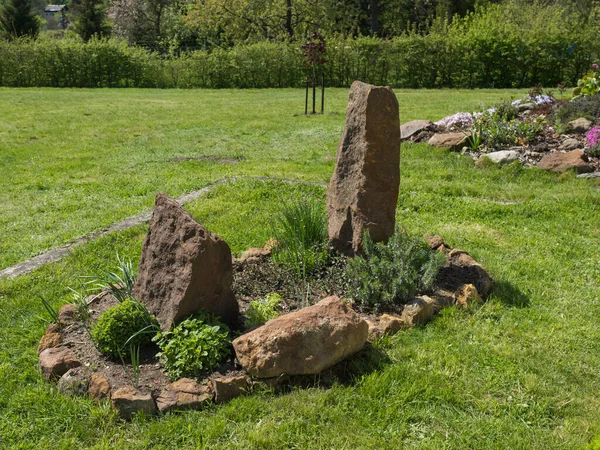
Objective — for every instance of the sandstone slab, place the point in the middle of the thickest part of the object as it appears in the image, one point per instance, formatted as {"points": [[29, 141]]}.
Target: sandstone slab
{"points": [[418, 311], [55, 362], [580, 125], [306, 341], [561, 162], [413, 127], [99, 387], [363, 190], [466, 295], [184, 394], [229, 387], [450, 141], [75, 381], [389, 324], [461, 269], [128, 401], [67, 315], [502, 156], [50, 340], [184, 268]]}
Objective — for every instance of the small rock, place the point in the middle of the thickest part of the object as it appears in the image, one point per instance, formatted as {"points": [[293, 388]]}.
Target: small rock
{"points": [[451, 141], [374, 332], [270, 244], [580, 125], [302, 342], [50, 340], [184, 394], [589, 175], [525, 107], [54, 362], [461, 269], [127, 401], [254, 255], [467, 294], [443, 298], [99, 387], [228, 387], [502, 156], [74, 381], [389, 324], [53, 328], [434, 241], [413, 127], [67, 315], [418, 311], [569, 144], [561, 162]]}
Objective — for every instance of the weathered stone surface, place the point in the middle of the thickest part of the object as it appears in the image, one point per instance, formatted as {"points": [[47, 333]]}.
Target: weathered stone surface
{"points": [[74, 381], [67, 315], [374, 332], [228, 387], [589, 175], [451, 141], [580, 125], [418, 311], [54, 362], [570, 144], [502, 156], [99, 387], [389, 324], [434, 242], [560, 162], [525, 107], [306, 341], [184, 394], [363, 190], [127, 401], [413, 127], [254, 255], [462, 269], [49, 340], [184, 268], [53, 328], [466, 295]]}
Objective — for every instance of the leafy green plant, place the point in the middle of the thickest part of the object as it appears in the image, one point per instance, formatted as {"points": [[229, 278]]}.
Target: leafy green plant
{"points": [[301, 234], [195, 345], [589, 84], [263, 310], [474, 139], [392, 272], [125, 325], [119, 283]]}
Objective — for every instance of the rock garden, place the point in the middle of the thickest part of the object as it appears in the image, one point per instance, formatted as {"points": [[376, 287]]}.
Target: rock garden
{"points": [[196, 326], [537, 130]]}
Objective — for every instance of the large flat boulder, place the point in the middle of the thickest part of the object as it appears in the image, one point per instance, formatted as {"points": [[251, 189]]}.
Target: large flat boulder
{"points": [[450, 141], [303, 342], [363, 190], [560, 162], [184, 268]]}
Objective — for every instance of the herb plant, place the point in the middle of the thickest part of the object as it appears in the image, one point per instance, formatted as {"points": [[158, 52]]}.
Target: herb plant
{"points": [[263, 310], [392, 272], [193, 346]]}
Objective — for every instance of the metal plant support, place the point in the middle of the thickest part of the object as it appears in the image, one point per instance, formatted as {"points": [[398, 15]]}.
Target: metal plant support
{"points": [[314, 49]]}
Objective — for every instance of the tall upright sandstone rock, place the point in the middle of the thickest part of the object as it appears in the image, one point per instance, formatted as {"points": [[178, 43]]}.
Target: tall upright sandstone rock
{"points": [[363, 190], [184, 268]]}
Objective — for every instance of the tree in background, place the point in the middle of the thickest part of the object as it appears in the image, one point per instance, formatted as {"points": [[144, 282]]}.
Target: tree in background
{"points": [[17, 19], [91, 19]]}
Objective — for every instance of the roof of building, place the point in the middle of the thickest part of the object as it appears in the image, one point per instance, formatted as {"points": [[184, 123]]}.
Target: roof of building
{"points": [[55, 8]]}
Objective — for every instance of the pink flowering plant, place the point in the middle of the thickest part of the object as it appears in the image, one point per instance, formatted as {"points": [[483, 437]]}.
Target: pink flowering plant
{"points": [[592, 147]]}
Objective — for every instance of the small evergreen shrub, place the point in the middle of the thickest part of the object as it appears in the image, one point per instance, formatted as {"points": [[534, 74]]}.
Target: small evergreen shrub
{"points": [[122, 327], [263, 310], [392, 272], [195, 345], [587, 106], [301, 234]]}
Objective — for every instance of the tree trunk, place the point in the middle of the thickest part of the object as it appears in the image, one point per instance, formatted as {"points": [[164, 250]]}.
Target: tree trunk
{"points": [[288, 19], [374, 7]]}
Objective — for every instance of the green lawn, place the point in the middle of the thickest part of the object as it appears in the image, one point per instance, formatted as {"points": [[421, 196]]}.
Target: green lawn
{"points": [[522, 371]]}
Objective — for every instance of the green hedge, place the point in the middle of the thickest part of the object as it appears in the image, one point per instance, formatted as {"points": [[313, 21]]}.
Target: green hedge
{"points": [[502, 46]]}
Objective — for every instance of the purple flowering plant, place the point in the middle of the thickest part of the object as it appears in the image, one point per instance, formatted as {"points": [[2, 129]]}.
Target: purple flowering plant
{"points": [[592, 147]]}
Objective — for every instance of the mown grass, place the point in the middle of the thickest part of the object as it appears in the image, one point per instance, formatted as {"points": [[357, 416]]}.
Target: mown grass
{"points": [[519, 372], [75, 161]]}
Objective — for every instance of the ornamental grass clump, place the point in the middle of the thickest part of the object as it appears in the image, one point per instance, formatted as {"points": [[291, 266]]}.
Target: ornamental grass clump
{"points": [[392, 272], [301, 233], [592, 147], [194, 346]]}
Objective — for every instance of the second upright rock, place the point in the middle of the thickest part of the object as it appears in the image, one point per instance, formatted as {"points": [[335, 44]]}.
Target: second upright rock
{"points": [[363, 190]]}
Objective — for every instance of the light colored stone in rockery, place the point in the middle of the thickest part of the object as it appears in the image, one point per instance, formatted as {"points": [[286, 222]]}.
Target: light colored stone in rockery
{"points": [[128, 401], [303, 342]]}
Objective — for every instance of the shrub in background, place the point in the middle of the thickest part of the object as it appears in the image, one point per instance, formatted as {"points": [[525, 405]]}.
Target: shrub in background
{"points": [[263, 310], [122, 327], [195, 345], [392, 272], [585, 106], [301, 233]]}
